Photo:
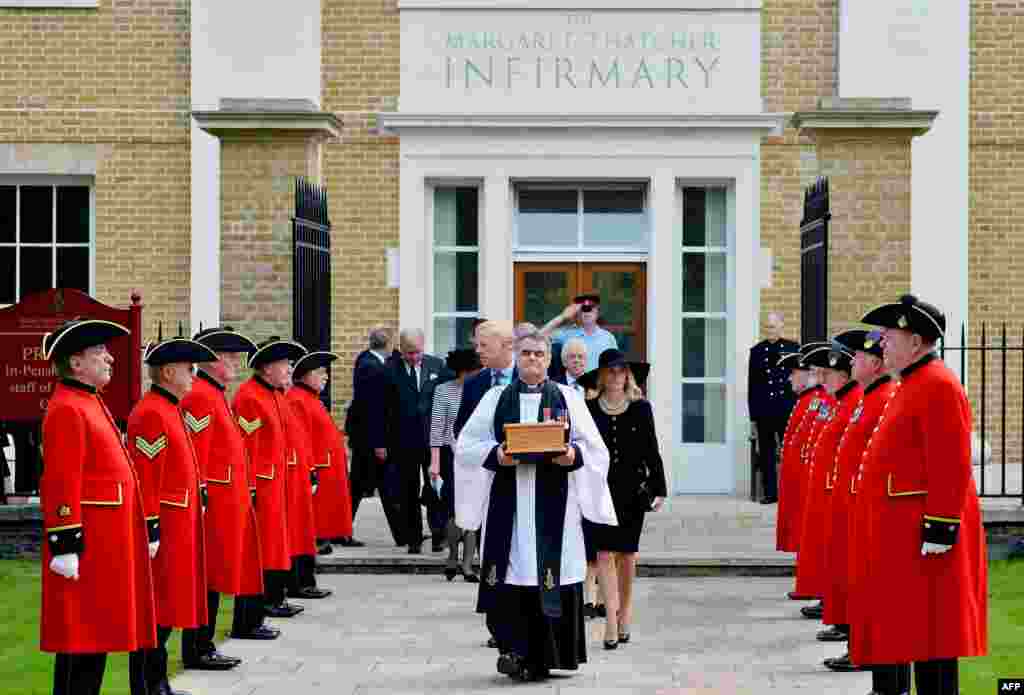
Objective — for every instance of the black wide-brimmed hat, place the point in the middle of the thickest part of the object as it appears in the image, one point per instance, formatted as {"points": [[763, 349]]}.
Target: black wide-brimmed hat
{"points": [[78, 334], [791, 360], [462, 360], [225, 339], [274, 349], [613, 357], [311, 361], [831, 355], [859, 340], [177, 349], [910, 314]]}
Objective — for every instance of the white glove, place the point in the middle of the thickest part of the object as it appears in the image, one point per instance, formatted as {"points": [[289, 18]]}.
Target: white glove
{"points": [[153, 547], [934, 548], [315, 488], [65, 565]]}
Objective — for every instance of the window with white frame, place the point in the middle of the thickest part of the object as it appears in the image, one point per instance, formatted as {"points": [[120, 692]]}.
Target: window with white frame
{"points": [[46, 236], [705, 314], [456, 266], [587, 217]]}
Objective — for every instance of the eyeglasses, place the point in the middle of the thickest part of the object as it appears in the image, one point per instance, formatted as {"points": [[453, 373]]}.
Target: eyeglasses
{"points": [[587, 308]]}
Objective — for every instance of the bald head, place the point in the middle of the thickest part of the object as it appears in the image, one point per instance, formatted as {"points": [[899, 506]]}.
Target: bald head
{"points": [[773, 326]]}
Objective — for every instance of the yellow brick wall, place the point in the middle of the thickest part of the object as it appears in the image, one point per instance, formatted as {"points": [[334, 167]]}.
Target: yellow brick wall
{"points": [[798, 53], [360, 78], [996, 228], [869, 234], [116, 77]]}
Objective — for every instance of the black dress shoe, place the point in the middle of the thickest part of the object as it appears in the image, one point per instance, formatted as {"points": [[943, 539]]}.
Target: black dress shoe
{"points": [[492, 643], [324, 549], [769, 500], [310, 592], [283, 610], [588, 611], [213, 662], [470, 577], [225, 657], [600, 611], [793, 596], [437, 547], [842, 664], [260, 632], [414, 550], [832, 634], [812, 612], [349, 543]]}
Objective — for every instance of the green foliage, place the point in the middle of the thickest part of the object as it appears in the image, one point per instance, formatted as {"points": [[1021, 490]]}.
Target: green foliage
{"points": [[21, 661]]}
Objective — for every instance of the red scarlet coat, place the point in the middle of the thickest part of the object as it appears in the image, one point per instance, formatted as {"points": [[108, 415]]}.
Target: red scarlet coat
{"points": [[812, 569], [299, 486], [332, 503], [846, 528], [820, 418], [260, 410], [917, 484], [172, 491], [233, 565], [787, 520], [89, 487]]}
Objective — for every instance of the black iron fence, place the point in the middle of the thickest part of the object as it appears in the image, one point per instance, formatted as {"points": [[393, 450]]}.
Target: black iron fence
{"points": [[994, 380], [311, 271], [814, 262]]}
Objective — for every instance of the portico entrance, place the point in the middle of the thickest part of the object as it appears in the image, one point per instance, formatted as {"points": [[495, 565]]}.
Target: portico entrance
{"points": [[542, 290]]}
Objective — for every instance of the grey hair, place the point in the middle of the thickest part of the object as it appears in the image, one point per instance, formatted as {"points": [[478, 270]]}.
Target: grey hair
{"points": [[572, 343], [407, 335], [524, 328], [380, 336], [533, 334]]}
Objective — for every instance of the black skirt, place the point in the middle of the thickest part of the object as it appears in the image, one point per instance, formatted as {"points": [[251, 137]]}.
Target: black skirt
{"points": [[448, 476], [545, 643], [624, 538]]}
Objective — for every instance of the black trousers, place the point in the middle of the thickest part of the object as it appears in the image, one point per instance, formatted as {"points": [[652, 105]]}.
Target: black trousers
{"points": [[891, 679], [79, 674], [770, 431], [274, 585], [199, 641], [938, 677], [369, 474], [248, 615], [150, 665], [303, 573], [400, 497], [363, 478]]}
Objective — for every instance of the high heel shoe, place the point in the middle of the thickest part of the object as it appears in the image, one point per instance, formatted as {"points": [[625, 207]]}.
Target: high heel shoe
{"points": [[611, 644], [450, 573], [624, 636]]}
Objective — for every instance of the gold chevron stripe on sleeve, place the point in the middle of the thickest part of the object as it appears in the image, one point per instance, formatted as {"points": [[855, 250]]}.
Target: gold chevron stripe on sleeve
{"points": [[249, 426], [153, 448], [195, 424]]}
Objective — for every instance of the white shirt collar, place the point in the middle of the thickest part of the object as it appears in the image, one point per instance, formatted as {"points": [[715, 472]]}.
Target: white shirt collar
{"points": [[379, 356]]}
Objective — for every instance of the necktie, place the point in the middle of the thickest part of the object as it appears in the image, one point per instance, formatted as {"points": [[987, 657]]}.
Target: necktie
{"points": [[415, 381], [499, 377]]}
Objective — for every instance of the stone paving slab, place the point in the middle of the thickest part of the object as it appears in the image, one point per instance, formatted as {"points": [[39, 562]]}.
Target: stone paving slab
{"points": [[399, 634]]}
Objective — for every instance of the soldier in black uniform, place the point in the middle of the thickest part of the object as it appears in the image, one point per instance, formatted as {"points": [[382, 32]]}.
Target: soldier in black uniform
{"points": [[769, 400]]}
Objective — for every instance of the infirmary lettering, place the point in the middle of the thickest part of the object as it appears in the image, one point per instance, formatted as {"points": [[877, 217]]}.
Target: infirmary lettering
{"points": [[614, 71], [708, 69], [487, 78], [563, 70], [642, 73]]}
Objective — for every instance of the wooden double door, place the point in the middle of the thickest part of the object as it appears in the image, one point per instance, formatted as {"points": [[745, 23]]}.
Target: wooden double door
{"points": [[544, 289]]}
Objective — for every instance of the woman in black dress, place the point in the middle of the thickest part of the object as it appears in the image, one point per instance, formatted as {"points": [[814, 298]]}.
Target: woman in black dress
{"points": [[636, 479]]}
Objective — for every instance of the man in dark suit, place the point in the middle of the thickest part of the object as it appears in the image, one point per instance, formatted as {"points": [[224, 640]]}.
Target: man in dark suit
{"points": [[414, 376], [769, 400], [366, 425]]}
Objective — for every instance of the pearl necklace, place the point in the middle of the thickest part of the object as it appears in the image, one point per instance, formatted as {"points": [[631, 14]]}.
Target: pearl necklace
{"points": [[613, 410]]}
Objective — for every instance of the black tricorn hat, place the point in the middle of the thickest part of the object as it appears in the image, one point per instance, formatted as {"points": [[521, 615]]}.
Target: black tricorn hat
{"points": [[462, 360], [177, 349], [790, 360], [613, 357], [311, 361], [225, 339], [273, 349], [78, 334], [859, 340], [910, 314], [832, 355]]}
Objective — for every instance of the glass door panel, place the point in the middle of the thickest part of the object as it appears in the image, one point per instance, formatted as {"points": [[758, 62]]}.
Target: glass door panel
{"points": [[543, 290], [623, 291]]}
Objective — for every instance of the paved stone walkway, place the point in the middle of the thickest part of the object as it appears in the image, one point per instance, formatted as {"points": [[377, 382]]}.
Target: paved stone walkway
{"points": [[417, 634]]}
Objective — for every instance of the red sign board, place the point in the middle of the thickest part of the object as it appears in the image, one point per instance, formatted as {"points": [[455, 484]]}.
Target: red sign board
{"points": [[27, 378]]}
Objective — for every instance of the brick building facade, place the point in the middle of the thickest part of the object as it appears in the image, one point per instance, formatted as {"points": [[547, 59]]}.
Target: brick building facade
{"points": [[199, 222]]}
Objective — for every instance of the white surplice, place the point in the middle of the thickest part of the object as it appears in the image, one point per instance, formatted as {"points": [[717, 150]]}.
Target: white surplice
{"points": [[588, 495]]}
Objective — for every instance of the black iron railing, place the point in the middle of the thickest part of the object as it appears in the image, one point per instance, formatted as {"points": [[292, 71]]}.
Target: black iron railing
{"points": [[814, 262], [1011, 444], [311, 271]]}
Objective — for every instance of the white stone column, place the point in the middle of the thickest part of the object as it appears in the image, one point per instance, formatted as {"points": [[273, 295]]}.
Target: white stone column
{"points": [[205, 263], [745, 240], [664, 292], [415, 250], [497, 281]]}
